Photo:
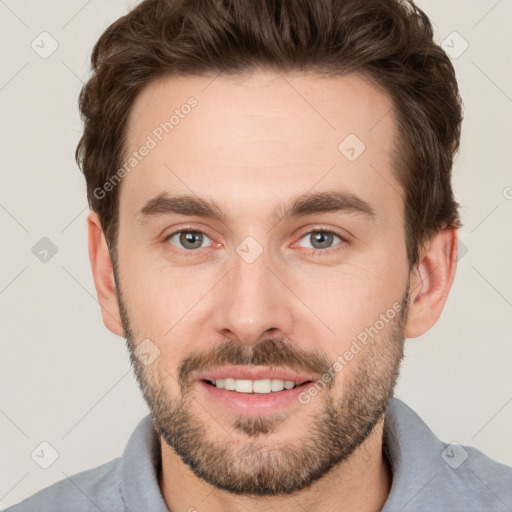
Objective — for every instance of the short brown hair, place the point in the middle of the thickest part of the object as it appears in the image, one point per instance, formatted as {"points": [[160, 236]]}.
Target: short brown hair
{"points": [[389, 42]]}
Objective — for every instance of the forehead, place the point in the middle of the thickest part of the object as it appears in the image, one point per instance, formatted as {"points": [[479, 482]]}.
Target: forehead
{"points": [[260, 137]]}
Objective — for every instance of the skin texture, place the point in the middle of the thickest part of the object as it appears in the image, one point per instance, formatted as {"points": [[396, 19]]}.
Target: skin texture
{"points": [[253, 144]]}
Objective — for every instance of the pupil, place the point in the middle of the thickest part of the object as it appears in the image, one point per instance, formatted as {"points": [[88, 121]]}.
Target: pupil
{"points": [[322, 240]]}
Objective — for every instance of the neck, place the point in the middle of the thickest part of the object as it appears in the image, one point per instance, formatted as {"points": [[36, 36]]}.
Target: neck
{"points": [[361, 483]]}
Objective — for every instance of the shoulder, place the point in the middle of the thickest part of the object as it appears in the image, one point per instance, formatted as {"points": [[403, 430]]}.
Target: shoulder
{"points": [[129, 482], [91, 490], [470, 478], [429, 474]]}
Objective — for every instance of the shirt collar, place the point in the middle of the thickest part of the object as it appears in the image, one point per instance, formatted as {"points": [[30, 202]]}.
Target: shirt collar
{"points": [[140, 469], [413, 451]]}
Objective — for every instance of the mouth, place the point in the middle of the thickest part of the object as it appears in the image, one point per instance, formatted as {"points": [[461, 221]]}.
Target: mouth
{"points": [[253, 390], [261, 386]]}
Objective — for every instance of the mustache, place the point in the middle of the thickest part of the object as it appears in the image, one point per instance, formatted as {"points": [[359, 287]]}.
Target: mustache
{"points": [[271, 352]]}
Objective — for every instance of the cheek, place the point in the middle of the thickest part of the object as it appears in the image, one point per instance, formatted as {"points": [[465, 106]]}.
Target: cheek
{"points": [[163, 308], [161, 302], [145, 278], [349, 298]]}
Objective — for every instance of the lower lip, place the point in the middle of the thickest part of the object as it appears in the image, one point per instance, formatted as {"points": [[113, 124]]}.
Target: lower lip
{"points": [[254, 404]]}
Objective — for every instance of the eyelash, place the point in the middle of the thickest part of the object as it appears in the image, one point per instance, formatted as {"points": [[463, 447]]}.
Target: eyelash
{"points": [[314, 252], [329, 250]]}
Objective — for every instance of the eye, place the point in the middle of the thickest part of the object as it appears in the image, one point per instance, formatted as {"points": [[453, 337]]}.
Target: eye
{"points": [[188, 240], [321, 239]]}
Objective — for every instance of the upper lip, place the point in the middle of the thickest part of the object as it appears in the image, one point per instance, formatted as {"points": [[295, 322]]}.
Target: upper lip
{"points": [[255, 373]]}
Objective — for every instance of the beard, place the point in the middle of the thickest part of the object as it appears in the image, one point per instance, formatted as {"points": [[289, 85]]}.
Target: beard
{"points": [[256, 466]]}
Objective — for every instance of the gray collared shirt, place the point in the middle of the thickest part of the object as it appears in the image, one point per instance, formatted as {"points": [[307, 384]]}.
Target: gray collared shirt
{"points": [[428, 475]]}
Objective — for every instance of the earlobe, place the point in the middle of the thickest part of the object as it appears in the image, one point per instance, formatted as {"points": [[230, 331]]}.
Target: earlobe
{"points": [[431, 282], [103, 275]]}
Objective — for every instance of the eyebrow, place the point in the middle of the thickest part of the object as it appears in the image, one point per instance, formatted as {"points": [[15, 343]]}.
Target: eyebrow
{"points": [[307, 204]]}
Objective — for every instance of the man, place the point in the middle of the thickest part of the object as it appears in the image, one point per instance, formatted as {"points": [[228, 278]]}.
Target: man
{"points": [[272, 215]]}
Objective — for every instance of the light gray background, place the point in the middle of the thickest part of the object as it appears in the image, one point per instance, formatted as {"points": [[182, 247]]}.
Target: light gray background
{"points": [[65, 379]]}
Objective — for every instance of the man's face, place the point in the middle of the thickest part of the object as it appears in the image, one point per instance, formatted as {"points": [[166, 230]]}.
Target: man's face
{"points": [[255, 295]]}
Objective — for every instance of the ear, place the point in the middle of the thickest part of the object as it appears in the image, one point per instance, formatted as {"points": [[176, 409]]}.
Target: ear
{"points": [[431, 281], [103, 274]]}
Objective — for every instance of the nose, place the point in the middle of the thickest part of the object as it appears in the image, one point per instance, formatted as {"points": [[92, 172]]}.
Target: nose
{"points": [[253, 303]]}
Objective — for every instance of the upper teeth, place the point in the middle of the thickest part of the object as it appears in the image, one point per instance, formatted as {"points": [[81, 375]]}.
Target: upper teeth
{"points": [[253, 386]]}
